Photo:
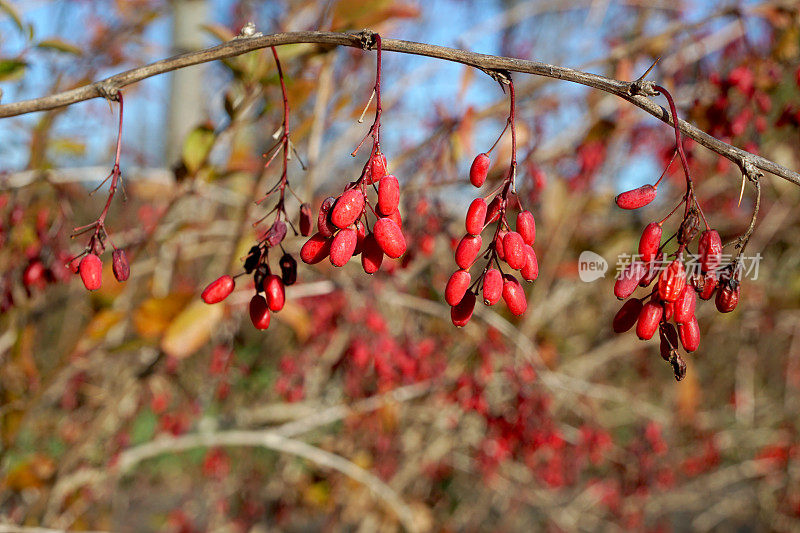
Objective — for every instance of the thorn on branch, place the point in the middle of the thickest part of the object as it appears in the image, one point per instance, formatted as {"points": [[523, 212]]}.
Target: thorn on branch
{"points": [[367, 38], [107, 90]]}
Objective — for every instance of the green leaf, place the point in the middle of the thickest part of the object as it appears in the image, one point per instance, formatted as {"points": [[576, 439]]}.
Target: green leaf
{"points": [[197, 146], [60, 46], [11, 69], [11, 11], [143, 427]]}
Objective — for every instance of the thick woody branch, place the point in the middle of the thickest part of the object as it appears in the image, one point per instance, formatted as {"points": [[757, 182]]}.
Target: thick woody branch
{"points": [[634, 92]]}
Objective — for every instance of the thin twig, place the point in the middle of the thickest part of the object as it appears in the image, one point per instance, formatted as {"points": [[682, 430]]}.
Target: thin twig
{"points": [[243, 45]]}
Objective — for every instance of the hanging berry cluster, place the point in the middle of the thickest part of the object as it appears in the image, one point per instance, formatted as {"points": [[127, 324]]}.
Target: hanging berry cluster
{"points": [[88, 263], [514, 248], [343, 228], [256, 263], [675, 295]]}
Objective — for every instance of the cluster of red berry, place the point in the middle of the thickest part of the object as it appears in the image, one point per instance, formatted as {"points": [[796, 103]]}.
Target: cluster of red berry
{"points": [[343, 229], [512, 247], [675, 295]]}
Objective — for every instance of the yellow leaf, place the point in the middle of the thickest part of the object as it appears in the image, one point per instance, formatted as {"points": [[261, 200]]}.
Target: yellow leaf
{"points": [[153, 317], [60, 46], [197, 146], [191, 329]]}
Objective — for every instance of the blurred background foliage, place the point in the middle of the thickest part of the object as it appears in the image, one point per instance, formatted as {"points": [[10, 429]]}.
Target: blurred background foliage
{"points": [[131, 408]]}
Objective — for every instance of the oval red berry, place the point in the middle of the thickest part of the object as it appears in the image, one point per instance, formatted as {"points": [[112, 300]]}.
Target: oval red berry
{"points": [[650, 241], [259, 312], [343, 246], [476, 216], [91, 270], [390, 237], [316, 248], [637, 197], [492, 286], [468, 249], [462, 313], [275, 292], [456, 287], [526, 227], [627, 315], [514, 250], [388, 195], [649, 318], [689, 334], [479, 170], [218, 290], [514, 295], [348, 208], [371, 255]]}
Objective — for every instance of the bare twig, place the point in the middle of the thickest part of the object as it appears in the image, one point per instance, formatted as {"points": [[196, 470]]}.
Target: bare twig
{"points": [[241, 46]]}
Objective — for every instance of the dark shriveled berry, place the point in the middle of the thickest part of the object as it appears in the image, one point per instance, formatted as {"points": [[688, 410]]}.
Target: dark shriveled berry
{"points": [[324, 224], [252, 259], [120, 265], [305, 220], [288, 266], [276, 234]]}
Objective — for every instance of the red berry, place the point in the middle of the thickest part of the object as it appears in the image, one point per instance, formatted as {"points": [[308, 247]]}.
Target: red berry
{"points": [[274, 291], [348, 208], [708, 286], [514, 250], [494, 209], [709, 248], [628, 279], [376, 169], [456, 287], [34, 274], [371, 255], [672, 280], [91, 270], [462, 313], [343, 246], [627, 315], [650, 241], [637, 197], [689, 334], [514, 295], [390, 237], [388, 195], [479, 170], [531, 269], [492, 286], [305, 220], [259, 312], [685, 304], [649, 318], [120, 265], [476, 216], [324, 224], [217, 290], [361, 234], [395, 216], [727, 296], [468, 249], [526, 227], [498, 245], [651, 270], [316, 248]]}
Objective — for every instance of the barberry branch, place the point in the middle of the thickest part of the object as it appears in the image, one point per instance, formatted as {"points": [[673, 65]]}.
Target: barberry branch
{"points": [[638, 93]]}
